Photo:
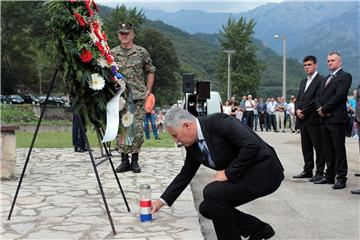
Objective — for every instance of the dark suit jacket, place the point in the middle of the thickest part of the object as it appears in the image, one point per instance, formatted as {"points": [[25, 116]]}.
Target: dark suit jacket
{"points": [[333, 98], [306, 101], [235, 148]]}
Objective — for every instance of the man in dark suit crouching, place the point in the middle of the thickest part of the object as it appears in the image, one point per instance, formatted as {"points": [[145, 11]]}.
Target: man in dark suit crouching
{"points": [[247, 169]]}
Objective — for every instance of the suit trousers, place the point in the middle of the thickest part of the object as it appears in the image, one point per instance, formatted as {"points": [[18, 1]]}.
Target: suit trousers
{"points": [[333, 138], [220, 200], [310, 140]]}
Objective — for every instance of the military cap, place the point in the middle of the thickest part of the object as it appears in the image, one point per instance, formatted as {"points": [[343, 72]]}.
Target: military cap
{"points": [[125, 27]]}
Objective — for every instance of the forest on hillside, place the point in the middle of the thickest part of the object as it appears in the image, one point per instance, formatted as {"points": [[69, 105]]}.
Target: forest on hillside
{"points": [[29, 56]]}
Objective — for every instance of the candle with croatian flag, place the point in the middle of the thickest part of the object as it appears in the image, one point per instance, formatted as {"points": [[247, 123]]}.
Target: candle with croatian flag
{"points": [[145, 203]]}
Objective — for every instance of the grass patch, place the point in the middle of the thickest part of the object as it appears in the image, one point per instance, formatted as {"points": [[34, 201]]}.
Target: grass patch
{"points": [[12, 114], [23, 114], [64, 140]]}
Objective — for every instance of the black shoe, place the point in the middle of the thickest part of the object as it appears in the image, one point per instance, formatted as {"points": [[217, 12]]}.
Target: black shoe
{"points": [[86, 149], [316, 178], [325, 181], [357, 174], [79, 149], [265, 232], [357, 191], [123, 167], [135, 163], [303, 175], [340, 184]]}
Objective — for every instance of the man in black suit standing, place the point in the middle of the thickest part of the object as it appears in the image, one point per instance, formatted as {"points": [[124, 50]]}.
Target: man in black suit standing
{"points": [[331, 106], [247, 169], [310, 121]]}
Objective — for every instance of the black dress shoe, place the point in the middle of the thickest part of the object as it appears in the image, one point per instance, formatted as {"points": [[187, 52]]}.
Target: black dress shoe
{"points": [[357, 174], [340, 184], [325, 181], [265, 232], [357, 191], [78, 149], [303, 175], [316, 178]]}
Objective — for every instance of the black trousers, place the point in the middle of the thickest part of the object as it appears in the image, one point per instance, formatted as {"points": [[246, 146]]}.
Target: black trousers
{"points": [[78, 138], [249, 115], [310, 140], [262, 121], [272, 121], [220, 200], [333, 138]]}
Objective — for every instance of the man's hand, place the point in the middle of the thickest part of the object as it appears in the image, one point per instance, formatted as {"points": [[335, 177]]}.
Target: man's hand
{"points": [[320, 112], [220, 176], [300, 114], [156, 205]]}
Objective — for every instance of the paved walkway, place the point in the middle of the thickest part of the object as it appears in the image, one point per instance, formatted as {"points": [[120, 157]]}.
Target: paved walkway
{"points": [[60, 199]]}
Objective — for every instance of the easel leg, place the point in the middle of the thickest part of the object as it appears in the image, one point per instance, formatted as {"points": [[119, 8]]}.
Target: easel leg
{"points": [[33, 142], [97, 177], [108, 153]]}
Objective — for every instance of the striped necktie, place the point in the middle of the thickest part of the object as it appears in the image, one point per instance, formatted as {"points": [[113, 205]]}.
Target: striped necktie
{"points": [[205, 153]]}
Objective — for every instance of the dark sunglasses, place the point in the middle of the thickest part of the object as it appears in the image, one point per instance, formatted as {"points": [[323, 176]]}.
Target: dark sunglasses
{"points": [[124, 33]]}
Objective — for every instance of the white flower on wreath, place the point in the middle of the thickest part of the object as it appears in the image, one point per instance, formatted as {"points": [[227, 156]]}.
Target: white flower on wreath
{"points": [[102, 62], [122, 103], [93, 37], [127, 119], [97, 82]]}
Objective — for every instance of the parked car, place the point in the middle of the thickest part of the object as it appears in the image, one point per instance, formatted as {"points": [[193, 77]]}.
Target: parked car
{"points": [[30, 99], [52, 101], [16, 99], [5, 99]]}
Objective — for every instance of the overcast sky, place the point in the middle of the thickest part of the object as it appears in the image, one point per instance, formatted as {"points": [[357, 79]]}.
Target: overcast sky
{"points": [[233, 6]]}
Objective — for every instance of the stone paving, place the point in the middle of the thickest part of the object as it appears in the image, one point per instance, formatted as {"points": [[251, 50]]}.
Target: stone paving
{"points": [[60, 198]]}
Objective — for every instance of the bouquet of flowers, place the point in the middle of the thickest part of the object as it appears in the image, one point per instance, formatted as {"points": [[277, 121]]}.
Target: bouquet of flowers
{"points": [[90, 73]]}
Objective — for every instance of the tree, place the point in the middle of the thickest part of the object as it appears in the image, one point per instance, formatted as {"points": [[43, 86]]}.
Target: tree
{"points": [[167, 83], [245, 74], [27, 57]]}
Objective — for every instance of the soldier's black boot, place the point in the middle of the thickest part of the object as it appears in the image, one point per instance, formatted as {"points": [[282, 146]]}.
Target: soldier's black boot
{"points": [[135, 163], [125, 164]]}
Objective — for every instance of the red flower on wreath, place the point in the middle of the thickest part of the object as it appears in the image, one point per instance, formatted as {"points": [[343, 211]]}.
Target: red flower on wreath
{"points": [[80, 19], [88, 3], [86, 55], [109, 58], [100, 47]]}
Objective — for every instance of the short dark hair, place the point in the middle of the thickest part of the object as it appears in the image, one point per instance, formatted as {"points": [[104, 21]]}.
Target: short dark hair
{"points": [[310, 58]]}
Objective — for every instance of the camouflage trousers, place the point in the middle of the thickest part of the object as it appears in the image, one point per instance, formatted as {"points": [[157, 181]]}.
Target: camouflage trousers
{"points": [[139, 129]]}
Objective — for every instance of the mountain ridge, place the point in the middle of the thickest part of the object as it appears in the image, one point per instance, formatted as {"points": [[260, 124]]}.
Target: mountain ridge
{"points": [[305, 35]]}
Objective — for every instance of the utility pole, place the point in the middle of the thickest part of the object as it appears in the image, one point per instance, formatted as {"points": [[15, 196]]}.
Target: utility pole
{"points": [[283, 38], [229, 52]]}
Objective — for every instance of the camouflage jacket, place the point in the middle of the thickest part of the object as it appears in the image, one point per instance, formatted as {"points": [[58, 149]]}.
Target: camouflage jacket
{"points": [[134, 63]]}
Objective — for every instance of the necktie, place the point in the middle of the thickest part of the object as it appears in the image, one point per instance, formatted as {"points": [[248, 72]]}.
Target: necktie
{"points": [[205, 153], [329, 79]]}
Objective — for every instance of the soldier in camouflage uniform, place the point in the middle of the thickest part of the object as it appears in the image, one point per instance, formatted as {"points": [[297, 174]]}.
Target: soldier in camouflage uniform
{"points": [[135, 62]]}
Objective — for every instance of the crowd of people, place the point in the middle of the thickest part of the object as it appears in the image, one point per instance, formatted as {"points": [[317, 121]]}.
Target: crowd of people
{"points": [[268, 115]]}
